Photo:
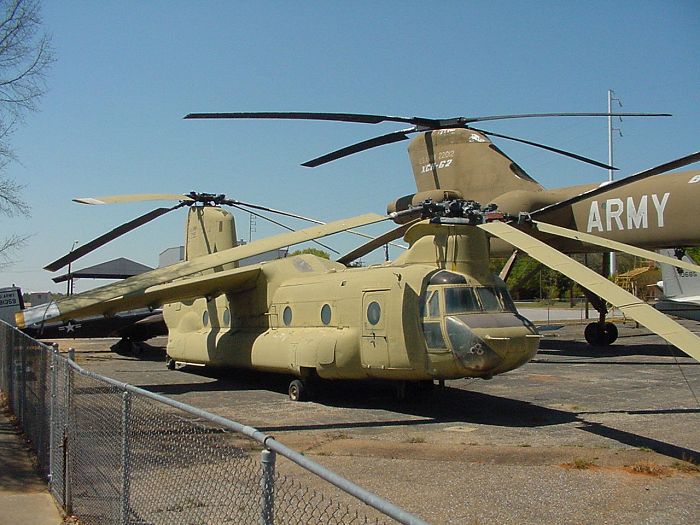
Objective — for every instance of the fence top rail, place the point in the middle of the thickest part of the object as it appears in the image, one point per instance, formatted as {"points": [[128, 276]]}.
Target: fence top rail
{"points": [[365, 496]]}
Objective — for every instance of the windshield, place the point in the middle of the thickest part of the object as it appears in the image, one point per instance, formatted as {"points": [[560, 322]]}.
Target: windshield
{"points": [[465, 299]]}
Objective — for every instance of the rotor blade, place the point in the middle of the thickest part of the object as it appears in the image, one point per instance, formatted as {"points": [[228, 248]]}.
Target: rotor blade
{"points": [[336, 117], [657, 170], [116, 199], [105, 238], [613, 245], [549, 115], [630, 305], [389, 138], [372, 245], [548, 148], [129, 293], [235, 202], [282, 225]]}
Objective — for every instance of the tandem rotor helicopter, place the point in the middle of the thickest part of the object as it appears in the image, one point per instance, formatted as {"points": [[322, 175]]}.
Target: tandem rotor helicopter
{"points": [[434, 313], [451, 158]]}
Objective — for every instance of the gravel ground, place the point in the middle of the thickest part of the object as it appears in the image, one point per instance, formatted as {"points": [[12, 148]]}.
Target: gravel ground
{"points": [[483, 452]]}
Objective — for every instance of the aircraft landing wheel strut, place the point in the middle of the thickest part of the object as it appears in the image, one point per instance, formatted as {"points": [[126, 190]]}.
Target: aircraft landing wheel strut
{"points": [[598, 334], [170, 363], [297, 390]]}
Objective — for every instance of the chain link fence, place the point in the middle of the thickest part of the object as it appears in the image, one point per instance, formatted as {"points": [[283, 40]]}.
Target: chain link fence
{"points": [[117, 454]]}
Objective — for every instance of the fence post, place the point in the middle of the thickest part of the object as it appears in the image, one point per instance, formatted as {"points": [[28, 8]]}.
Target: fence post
{"points": [[126, 416], [67, 441], [52, 412], [267, 486]]}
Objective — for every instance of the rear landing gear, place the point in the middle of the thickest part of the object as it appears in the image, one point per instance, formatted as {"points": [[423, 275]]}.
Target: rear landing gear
{"points": [[298, 390]]}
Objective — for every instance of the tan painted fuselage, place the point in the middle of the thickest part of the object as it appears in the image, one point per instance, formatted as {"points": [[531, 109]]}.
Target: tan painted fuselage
{"points": [[304, 315]]}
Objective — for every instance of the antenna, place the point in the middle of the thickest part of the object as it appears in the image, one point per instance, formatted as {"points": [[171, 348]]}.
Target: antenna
{"points": [[612, 268]]}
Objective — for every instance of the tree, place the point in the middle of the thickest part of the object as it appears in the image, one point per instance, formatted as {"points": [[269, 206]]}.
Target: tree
{"points": [[313, 251], [25, 55]]}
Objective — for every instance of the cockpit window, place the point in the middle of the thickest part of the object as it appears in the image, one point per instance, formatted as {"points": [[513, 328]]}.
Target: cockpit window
{"points": [[460, 299], [489, 301], [506, 299], [434, 305]]}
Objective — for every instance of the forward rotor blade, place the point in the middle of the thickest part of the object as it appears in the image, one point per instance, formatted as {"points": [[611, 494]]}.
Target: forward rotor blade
{"points": [[630, 305], [117, 199], [105, 238], [657, 170], [294, 216], [132, 292], [389, 138], [372, 245], [613, 245], [548, 148]]}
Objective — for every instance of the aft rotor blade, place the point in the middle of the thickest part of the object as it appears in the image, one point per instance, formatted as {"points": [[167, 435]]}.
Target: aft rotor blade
{"points": [[629, 304], [105, 238], [549, 115], [389, 138], [613, 245], [657, 170], [548, 148], [117, 199]]}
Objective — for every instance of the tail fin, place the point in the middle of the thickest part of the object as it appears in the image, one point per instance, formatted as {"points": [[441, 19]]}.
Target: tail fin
{"points": [[679, 283], [465, 161], [11, 302]]}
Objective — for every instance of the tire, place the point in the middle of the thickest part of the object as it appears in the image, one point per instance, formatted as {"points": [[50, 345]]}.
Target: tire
{"points": [[170, 363], [610, 334], [594, 334], [297, 390]]}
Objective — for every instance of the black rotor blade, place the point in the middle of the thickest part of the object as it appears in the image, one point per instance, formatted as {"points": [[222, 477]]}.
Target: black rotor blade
{"points": [[336, 117], [656, 170], [389, 138], [105, 238], [548, 148]]}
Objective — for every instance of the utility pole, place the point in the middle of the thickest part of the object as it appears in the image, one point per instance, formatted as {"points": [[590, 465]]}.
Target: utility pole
{"points": [[611, 96]]}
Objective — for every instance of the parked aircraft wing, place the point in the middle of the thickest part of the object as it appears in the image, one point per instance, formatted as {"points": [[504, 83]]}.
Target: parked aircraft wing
{"points": [[135, 287], [630, 305]]}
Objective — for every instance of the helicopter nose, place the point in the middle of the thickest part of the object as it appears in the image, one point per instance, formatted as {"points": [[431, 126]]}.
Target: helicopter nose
{"points": [[489, 350]]}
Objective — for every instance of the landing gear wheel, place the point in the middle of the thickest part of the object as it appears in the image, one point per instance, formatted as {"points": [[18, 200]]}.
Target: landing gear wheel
{"points": [[170, 363], [600, 334], [297, 390], [610, 332]]}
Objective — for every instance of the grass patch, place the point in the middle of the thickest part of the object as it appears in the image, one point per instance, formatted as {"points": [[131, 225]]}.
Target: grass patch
{"points": [[685, 466], [415, 440], [580, 464], [649, 468]]}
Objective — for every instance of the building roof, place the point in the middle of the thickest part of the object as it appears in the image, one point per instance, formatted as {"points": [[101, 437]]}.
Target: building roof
{"points": [[120, 268]]}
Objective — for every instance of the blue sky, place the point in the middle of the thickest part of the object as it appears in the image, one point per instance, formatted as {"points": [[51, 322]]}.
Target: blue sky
{"points": [[127, 72]]}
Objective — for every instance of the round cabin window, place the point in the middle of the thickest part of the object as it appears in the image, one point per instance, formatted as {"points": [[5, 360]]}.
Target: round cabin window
{"points": [[374, 312], [326, 314], [205, 318], [227, 317], [287, 316]]}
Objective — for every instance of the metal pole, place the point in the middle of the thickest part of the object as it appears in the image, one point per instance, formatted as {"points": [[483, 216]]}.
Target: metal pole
{"points": [[67, 443], [126, 413], [613, 263], [267, 487], [52, 413]]}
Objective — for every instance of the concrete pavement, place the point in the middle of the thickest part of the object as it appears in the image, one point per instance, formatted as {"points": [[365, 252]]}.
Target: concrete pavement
{"points": [[24, 496]]}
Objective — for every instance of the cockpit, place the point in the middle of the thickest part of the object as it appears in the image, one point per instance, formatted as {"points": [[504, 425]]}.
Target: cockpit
{"points": [[478, 324]]}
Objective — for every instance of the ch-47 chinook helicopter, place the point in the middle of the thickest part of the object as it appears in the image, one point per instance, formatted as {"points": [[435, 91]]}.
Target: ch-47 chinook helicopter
{"points": [[436, 312], [453, 159]]}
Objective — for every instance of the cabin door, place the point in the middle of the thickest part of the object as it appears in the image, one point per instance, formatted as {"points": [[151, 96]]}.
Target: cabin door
{"points": [[374, 347]]}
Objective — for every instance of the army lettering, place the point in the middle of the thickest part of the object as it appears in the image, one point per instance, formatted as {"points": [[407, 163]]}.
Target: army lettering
{"points": [[616, 214]]}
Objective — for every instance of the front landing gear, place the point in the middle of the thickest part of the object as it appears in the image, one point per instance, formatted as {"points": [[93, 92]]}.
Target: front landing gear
{"points": [[298, 390], [601, 333]]}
